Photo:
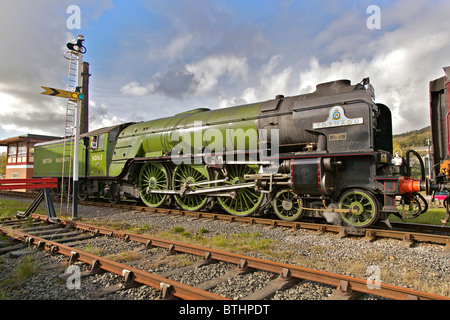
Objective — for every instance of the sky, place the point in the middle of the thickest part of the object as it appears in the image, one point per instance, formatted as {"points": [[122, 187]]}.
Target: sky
{"points": [[151, 58]]}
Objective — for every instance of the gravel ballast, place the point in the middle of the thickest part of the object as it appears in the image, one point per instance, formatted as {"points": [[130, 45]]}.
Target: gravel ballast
{"points": [[424, 267]]}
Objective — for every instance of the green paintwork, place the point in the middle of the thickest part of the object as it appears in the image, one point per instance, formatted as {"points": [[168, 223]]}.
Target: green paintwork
{"points": [[98, 159], [161, 137], [48, 159], [287, 205], [92, 162], [362, 202], [247, 200], [190, 174], [154, 176], [156, 138]]}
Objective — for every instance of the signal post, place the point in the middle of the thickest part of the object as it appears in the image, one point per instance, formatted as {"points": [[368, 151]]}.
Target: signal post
{"points": [[76, 53]]}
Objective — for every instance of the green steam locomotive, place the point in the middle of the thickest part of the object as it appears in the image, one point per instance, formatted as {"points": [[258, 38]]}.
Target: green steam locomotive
{"points": [[324, 154]]}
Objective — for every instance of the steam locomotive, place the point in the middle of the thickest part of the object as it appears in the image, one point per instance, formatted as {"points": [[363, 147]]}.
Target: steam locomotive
{"points": [[325, 154]]}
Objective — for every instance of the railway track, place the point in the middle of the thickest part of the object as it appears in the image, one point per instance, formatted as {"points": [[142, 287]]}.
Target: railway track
{"points": [[62, 236], [52, 238], [408, 233]]}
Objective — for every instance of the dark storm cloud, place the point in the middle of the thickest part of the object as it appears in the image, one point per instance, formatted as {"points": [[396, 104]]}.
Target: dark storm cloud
{"points": [[43, 120], [177, 82], [33, 36]]}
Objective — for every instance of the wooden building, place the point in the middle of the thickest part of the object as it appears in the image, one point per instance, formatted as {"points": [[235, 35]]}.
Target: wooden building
{"points": [[20, 154]]}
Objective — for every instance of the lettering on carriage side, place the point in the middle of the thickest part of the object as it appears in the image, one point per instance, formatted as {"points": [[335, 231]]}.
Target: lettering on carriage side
{"points": [[61, 160], [47, 161], [337, 118], [97, 157]]}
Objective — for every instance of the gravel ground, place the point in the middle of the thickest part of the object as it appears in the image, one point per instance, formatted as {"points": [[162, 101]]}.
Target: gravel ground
{"points": [[425, 267]]}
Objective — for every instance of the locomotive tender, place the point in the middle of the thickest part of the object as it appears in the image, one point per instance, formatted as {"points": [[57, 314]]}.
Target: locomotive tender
{"points": [[327, 154]]}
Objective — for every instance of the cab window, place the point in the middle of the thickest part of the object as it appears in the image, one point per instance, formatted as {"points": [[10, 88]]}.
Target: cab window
{"points": [[101, 141], [93, 145]]}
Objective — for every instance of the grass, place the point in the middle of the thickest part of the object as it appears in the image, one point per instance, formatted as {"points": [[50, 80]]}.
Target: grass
{"points": [[240, 242], [432, 216], [125, 256], [173, 261], [140, 230], [9, 208], [94, 250], [26, 268]]}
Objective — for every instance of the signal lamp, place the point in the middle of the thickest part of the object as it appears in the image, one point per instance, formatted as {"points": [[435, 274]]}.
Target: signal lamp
{"points": [[78, 46], [77, 95]]}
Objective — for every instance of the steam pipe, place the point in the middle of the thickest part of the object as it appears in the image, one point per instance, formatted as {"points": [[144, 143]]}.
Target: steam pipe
{"points": [[422, 166]]}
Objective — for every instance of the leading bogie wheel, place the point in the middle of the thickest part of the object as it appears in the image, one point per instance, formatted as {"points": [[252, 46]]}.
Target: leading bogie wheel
{"points": [[287, 205], [364, 205]]}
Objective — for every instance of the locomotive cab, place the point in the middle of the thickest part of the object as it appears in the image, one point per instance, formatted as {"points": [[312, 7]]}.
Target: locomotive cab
{"points": [[99, 147], [99, 150]]}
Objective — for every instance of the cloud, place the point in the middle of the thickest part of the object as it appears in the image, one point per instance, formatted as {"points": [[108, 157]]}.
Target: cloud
{"points": [[216, 54], [135, 89], [34, 34], [269, 82], [19, 115], [400, 74], [178, 45], [198, 29], [176, 82], [180, 81], [100, 116], [208, 71]]}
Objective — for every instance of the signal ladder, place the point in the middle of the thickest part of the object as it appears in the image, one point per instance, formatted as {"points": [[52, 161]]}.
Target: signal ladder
{"points": [[72, 85], [70, 125]]}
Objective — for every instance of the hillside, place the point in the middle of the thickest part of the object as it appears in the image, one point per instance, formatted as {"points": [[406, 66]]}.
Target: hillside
{"points": [[416, 140], [412, 139]]}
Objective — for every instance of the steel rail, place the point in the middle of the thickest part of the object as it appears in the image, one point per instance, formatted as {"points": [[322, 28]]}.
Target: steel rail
{"points": [[355, 284], [408, 237], [177, 289]]}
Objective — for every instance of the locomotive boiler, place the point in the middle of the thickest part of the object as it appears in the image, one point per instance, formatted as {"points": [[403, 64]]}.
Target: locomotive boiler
{"points": [[324, 154]]}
